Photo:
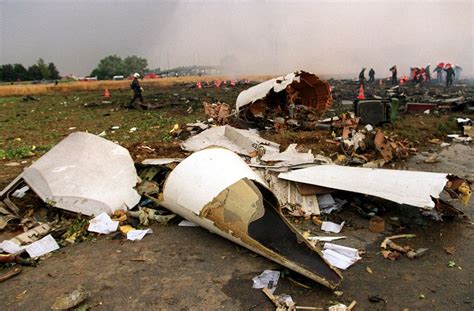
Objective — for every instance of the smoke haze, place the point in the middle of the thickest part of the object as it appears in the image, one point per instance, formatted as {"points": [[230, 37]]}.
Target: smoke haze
{"points": [[248, 37]]}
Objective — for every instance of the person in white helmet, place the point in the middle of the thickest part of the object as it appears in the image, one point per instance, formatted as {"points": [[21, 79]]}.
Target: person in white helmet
{"points": [[137, 92]]}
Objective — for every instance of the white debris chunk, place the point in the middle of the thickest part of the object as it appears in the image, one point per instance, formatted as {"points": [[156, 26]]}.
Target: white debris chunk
{"points": [[103, 224], [10, 247], [403, 187], [20, 193], [42, 247], [325, 238], [240, 141], [187, 223], [268, 279], [137, 235], [84, 174], [289, 157], [329, 226], [341, 257]]}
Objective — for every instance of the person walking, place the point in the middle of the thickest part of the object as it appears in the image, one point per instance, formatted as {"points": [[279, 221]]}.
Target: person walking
{"points": [[137, 92], [450, 74]]}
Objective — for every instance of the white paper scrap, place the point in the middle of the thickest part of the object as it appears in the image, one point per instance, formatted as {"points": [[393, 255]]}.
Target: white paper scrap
{"points": [[341, 257], [42, 247], [102, 223], [329, 226], [137, 235], [11, 247], [187, 223], [344, 250], [268, 279]]}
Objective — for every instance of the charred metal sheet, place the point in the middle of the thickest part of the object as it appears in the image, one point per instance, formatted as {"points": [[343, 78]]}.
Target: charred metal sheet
{"points": [[83, 173], [219, 191], [300, 97], [402, 187]]}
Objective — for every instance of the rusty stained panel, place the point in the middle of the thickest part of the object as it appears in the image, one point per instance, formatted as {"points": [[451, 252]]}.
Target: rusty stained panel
{"points": [[306, 91], [308, 189], [314, 92], [383, 146]]}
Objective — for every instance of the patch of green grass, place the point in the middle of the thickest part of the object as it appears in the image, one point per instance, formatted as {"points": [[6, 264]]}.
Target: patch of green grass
{"points": [[16, 153], [22, 152], [448, 127], [166, 136], [43, 149], [9, 100]]}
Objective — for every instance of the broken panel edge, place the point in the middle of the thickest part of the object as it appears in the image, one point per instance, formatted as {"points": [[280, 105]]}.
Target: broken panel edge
{"points": [[200, 179]]}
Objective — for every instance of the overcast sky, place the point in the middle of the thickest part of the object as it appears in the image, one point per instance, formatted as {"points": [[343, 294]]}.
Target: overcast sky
{"points": [[326, 37]]}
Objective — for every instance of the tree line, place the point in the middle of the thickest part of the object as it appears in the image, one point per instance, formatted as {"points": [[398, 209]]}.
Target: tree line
{"points": [[38, 71], [107, 68], [114, 65]]}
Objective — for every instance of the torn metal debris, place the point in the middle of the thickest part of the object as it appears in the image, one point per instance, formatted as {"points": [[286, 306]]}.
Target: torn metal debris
{"points": [[240, 141], [420, 189], [297, 99], [84, 174], [248, 143], [219, 191]]}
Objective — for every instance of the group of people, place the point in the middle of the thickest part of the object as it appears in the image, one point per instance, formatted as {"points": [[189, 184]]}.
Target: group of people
{"points": [[362, 79], [418, 74]]}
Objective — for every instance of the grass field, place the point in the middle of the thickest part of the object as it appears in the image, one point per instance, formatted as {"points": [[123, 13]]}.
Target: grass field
{"points": [[29, 128], [75, 86]]}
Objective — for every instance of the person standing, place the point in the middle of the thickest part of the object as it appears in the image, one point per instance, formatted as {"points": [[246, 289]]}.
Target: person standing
{"points": [[450, 74], [362, 78], [439, 72], [428, 73], [371, 75], [394, 75], [137, 92], [457, 71]]}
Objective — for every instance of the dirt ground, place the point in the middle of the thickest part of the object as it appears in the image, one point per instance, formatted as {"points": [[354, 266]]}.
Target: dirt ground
{"points": [[189, 268]]}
